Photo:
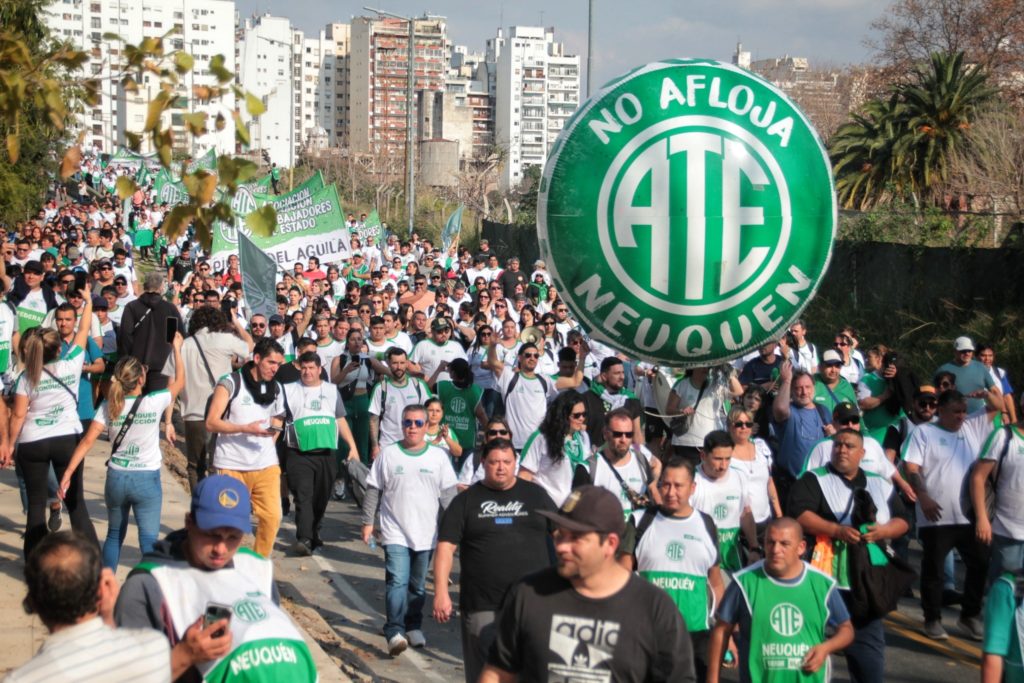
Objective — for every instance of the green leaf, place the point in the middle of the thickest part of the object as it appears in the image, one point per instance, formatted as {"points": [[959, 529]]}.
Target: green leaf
{"points": [[113, 37], [155, 111], [178, 219], [152, 45], [218, 69], [262, 221], [125, 187], [254, 105], [13, 147], [134, 140], [246, 169], [183, 61], [241, 130], [195, 122]]}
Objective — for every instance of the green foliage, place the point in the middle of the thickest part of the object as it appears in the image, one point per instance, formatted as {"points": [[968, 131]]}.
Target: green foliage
{"points": [[900, 147], [904, 224]]}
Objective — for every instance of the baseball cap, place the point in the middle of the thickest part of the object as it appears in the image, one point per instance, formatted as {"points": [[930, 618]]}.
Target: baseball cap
{"points": [[276, 320], [590, 508], [440, 324], [33, 266], [963, 344], [221, 501], [844, 411], [925, 390], [99, 303], [831, 357]]}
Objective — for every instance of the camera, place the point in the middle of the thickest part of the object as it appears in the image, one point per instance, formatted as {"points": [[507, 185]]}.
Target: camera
{"points": [[889, 359]]}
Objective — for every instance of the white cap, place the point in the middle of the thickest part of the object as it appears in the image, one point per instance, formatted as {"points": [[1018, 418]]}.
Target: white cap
{"points": [[831, 356], [963, 344]]}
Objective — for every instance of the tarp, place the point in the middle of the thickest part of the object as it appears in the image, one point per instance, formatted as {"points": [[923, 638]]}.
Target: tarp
{"points": [[259, 273], [452, 228]]}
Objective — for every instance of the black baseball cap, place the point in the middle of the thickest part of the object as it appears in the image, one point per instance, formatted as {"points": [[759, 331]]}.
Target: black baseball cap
{"points": [[590, 508]]}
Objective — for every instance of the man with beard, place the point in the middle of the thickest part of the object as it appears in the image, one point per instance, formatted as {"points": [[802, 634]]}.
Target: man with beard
{"points": [[589, 615], [607, 393]]}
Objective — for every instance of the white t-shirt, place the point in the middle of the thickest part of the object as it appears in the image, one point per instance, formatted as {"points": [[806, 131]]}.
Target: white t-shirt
{"points": [[219, 348], [140, 448], [526, 404], [944, 458], [709, 413], [721, 499], [632, 472], [758, 473], [379, 351], [52, 409], [554, 477], [402, 341], [411, 484], [387, 400], [429, 355], [874, 457], [329, 352], [1009, 518], [246, 452]]}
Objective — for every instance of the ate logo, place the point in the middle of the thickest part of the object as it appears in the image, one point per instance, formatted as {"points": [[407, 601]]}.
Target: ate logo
{"points": [[458, 405], [786, 619], [675, 551], [249, 610], [720, 511]]}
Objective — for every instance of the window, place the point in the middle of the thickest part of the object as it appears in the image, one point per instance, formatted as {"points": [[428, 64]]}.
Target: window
{"points": [[95, 22]]}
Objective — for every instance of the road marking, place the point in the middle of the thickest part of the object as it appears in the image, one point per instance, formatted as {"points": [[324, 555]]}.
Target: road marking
{"points": [[964, 653], [370, 613]]}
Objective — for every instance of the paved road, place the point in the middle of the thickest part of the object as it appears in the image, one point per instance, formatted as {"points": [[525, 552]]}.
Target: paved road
{"points": [[345, 583]]}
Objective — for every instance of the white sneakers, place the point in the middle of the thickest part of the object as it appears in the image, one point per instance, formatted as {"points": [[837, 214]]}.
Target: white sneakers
{"points": [[397, 644]]}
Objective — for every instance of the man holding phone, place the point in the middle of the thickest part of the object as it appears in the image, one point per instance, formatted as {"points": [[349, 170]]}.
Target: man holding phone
{"points": [[216, 602]]}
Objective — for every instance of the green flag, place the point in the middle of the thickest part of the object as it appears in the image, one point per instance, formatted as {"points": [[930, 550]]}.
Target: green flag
{"points": [[142, 176], [371, 228], [452, 228], [259, 273]]}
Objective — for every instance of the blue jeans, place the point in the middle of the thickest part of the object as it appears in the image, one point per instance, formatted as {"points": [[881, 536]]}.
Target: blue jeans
{"points": [[1007, 556], [865, 657], [125, 491], [405, 577]]}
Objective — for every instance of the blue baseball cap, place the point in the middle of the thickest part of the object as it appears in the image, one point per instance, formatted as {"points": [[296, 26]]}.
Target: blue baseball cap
{"points": [[221, 501]]}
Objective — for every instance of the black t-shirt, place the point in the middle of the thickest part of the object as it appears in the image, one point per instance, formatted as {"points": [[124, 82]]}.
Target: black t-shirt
{"points": [[501, 539], [509, 280], [549, 632], [756, 371]]}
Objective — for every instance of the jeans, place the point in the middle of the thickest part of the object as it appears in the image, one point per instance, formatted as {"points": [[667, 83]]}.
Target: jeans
{"points": [[310, 478], [405, 577], [865, 656], [36, 458], [265, 490], [126, 491], [937, 541], [492, 403]]}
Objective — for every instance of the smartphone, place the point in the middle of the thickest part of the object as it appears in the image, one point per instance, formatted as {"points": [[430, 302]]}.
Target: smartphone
{"points": [[171, 330], [275, 429], [216, 612], [80, 279]]}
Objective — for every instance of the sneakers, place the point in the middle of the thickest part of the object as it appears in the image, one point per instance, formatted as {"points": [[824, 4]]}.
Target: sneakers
{"points": [[340, 492], [397, 644], [933, 629], [54, 523], [301, 548], [971, 627], [416, 638]]}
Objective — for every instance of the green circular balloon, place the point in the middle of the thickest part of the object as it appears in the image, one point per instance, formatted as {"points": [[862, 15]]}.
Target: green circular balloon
{"points": [[687, 212]]}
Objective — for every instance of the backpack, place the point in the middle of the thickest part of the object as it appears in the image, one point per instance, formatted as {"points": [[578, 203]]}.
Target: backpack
{"points": [[515, 380], [236, 384], [349, 390], [384, 395], [645, 468]]}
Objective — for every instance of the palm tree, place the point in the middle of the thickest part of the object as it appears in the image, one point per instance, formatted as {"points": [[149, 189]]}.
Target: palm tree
{"points": [[940, 104], [863, 155]]}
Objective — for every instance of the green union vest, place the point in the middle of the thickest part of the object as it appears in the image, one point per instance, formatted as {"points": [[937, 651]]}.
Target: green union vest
{"points": [[786, 620]]}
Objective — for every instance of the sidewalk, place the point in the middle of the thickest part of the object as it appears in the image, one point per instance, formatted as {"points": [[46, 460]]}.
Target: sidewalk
{"points": [[23, 634]]}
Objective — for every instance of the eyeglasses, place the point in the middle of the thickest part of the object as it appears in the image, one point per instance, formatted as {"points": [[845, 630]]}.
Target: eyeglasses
{"points": [[497, 432], [927, 404], [548, 322], [562, 310], [364, 310], [435, 277], [531, 355], [740, 424], [412, 423], [68, 283], [499, 305], [258, 326], [105, 268], [580, 416], [617, 435], [850, 421], [485, 334]]}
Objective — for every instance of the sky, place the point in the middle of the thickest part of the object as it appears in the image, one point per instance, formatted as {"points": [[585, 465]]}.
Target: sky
{"points": [[629, 33]]}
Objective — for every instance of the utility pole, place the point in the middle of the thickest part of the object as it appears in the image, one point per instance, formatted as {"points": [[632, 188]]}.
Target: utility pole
{"points": [[410, 158], [590, 43]]}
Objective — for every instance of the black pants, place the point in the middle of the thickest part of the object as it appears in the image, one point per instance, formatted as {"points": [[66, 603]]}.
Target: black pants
{"points": [[699, 643], [937, 541], [35, 459], [310, 478], [783, 483], [196, 441]]}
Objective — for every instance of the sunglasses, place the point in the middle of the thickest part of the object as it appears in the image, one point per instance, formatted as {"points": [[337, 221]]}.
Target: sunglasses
{"points": [[485, 334], [364, 310], [850, 421], [579, 416], [105, 268], [928, 404], [840, 344], [259, 326], [531, 355], [500, 305], [548, 322], [740, 424], [413, 423], [617, 435], [497, 432]]}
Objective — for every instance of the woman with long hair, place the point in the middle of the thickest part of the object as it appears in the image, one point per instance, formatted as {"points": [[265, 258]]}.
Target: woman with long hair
{"points": [[701, 395], [483, 302], [438, 433], [527, 318], [553, 452], [483, 376], [45, 424], [133, 470], [753, 457]]}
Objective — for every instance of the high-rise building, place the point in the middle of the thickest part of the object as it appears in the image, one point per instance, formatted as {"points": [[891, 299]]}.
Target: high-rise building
{"points": [[268, 50], [537, 90], [205, 28], [378, 78], [468, 84]]}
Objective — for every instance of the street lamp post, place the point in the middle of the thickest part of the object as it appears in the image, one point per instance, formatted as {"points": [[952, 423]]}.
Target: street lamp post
{"points": [[410, 177]]}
